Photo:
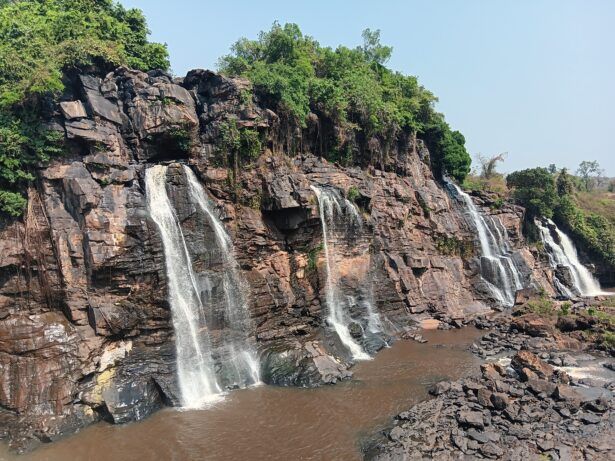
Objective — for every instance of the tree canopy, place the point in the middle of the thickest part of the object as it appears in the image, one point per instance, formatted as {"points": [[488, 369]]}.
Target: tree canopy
{"points": [[350, 86], [534, 189], [40, 41]]}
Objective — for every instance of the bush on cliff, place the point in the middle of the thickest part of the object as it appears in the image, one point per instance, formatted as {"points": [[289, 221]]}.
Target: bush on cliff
{"points": [[534, 189], [544, 195], [40, 41], [350, 87]]}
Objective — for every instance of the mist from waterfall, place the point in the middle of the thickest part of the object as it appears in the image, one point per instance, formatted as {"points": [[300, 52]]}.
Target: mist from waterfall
{"points": [[497, 266], [339, 216], [563, 253], [199, 375], [195, 366]]}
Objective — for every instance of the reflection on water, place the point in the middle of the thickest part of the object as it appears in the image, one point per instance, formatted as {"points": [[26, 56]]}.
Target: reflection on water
{"points": [[277, 423]]}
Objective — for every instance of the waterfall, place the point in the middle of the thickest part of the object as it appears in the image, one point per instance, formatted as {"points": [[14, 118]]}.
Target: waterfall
{"points": [[563, 253], [195, 368], [339, 217], [236, 363], [497, 266], [242, 354]]}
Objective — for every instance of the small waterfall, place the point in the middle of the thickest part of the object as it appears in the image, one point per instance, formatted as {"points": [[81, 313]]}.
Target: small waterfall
{"points": [[340, 218], [192, 303], [195, 368], [497, 266], [563, 253]]}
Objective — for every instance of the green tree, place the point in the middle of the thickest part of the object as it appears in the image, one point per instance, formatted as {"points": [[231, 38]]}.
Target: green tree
{"points": [[372, 48], [40, 42], [534, 189], [589, 172], [350, 87], [565, 183]]}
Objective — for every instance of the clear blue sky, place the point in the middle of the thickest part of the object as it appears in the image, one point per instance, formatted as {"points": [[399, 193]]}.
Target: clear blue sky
{"points": [[534, 78]]}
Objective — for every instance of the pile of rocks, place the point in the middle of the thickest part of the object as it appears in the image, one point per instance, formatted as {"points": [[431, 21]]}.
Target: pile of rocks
{"points": [[518, 412]]}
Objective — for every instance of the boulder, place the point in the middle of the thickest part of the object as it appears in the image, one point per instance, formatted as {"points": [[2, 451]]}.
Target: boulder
{"points": [[533, 325], [525, 360], [73, 109]]}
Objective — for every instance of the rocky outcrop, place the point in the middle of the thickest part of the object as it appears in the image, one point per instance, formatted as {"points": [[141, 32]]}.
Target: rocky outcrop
{"points": [[85, 326], [519, 407]]}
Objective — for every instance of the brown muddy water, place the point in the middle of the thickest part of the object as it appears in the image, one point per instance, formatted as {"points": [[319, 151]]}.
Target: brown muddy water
{"points": [[274, 423]]}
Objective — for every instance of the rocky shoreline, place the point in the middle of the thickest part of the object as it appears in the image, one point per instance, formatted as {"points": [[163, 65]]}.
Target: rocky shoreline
{"points": [[542, 393]]}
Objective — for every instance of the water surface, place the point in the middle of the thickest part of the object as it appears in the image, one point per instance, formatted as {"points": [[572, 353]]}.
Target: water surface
{"points": [[277, 423]]}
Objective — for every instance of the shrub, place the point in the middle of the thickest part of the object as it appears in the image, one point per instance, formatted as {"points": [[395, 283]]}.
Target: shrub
{"points": [[313, 256], [353, 193], [534, 189], [565, 308], [350, 87], [541, 306]]}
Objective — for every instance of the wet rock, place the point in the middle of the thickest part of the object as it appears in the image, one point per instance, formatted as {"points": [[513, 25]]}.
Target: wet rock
{"points": [[439, 388], [356, 331]]}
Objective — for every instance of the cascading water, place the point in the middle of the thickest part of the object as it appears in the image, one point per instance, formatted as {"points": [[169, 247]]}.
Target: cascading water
{"points": [[195, 367], [237, 364], [564, 253], [242, 356], [497, 266], [338, 217]]}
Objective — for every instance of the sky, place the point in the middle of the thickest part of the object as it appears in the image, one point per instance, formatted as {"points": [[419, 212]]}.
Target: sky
{"points": [[532, 78]]}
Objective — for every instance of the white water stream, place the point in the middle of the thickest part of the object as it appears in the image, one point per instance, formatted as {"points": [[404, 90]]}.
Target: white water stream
{"points": [[564, 253], [195, 367], [197, 379], [497, 266], [338, 212]]}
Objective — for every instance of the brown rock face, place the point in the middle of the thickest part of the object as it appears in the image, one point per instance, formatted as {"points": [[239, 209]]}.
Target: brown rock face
{"points": [[529, 366], [85, 326]]}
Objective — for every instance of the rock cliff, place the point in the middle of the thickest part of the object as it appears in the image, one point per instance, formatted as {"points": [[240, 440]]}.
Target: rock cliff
{"points": [[85, 326]]}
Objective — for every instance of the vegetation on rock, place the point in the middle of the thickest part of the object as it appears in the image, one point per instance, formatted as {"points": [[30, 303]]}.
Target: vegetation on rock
{"points": [[543, 193], [41, 42], [351, 88]]}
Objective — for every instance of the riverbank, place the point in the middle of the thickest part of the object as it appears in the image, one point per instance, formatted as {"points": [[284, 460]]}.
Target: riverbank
{"points": [[546, 391]]}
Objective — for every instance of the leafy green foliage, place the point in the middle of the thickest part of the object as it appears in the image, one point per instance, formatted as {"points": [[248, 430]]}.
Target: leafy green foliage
{"points": [[594, 232], [40, 41], [181, 137], [240, 143], [565, 308], [313, 257], [353, 193], [349, 87], [543, 195], [534, 189], [450, 245]]}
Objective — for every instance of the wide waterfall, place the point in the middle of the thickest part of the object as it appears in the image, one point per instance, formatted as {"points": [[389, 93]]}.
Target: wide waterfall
{"points": [[200, 377], [195, 367], [497, 266], [339, 219], [563, 253]]}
